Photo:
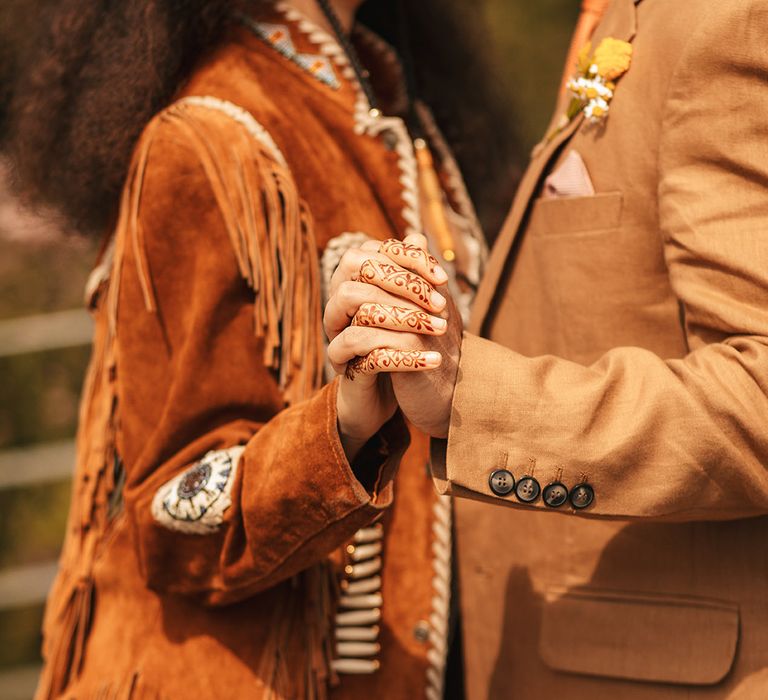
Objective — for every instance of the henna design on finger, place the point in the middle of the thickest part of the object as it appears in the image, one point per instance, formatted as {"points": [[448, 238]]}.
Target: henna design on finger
{"points": [[396, 318], [387, 360], [392, 278], [397, 249]]}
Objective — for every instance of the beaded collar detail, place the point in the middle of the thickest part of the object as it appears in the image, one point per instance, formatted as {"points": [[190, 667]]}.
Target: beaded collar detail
{"points": [[279, 37]]}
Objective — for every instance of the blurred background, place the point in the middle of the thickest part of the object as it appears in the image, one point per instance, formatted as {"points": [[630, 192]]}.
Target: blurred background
{"points": [[44, 332]]}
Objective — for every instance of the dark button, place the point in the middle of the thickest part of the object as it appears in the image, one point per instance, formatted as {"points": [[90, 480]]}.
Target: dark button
{"points": [[527, 489], [501, 481], [582, 496], [421, 631], [555, 494]]}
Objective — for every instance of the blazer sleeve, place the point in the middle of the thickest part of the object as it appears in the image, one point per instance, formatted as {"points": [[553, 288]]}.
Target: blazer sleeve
{"points": [[228, 490], [671, 439]]}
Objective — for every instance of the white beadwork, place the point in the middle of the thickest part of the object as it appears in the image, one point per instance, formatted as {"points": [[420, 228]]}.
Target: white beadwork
{"points": [[360, 603], [195, 500], [441, 598], [357, 634], [366, 122], [241, 116]]}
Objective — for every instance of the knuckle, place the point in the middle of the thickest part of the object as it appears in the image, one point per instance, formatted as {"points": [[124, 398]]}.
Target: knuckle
{"points": [[346, 293], [354, 336]]}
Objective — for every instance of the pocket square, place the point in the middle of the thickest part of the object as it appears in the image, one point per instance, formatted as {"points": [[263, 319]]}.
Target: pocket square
{"points": [[570, 179]]}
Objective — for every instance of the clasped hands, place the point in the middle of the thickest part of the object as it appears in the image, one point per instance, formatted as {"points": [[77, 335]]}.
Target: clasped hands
{"points": [[395, 338]]}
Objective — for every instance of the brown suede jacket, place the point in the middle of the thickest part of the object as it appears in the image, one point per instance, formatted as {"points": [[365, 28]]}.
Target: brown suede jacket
{"points": [[219, 543]]}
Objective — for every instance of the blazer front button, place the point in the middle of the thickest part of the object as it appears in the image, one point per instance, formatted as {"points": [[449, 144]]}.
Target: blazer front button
{"points": [[501, 482], [527, 489], [555, 494], [582, 496]]}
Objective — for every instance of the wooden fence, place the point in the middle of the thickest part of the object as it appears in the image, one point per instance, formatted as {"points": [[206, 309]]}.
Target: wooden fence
{"points": [[32, 466]]}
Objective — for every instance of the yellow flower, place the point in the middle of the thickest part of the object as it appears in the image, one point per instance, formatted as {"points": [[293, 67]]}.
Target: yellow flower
{"points": [[612, 57]]}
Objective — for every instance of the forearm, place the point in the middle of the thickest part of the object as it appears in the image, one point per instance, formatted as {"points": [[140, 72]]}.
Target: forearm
{"points": [[293, 499], [657, 439]]}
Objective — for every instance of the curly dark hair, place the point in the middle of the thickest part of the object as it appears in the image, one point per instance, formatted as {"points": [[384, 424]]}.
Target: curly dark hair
{"points": [[80, 101], [79, 90]]}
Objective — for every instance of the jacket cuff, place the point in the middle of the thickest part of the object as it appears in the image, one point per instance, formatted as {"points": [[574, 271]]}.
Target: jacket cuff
{"points": [[376, 464], [494, 426]]}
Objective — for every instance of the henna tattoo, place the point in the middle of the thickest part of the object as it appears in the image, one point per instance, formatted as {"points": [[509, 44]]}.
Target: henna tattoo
{"points": [[386, 360], [397, 249], [392, 278], [396, 318]]}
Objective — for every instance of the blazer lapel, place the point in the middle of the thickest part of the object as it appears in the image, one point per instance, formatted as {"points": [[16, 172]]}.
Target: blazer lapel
{"points": [[619, 23]]}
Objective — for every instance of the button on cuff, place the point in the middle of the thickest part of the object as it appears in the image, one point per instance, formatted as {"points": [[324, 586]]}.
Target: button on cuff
{"points": [[582, 496], [527, 489], [555, 494], [501, 482]]}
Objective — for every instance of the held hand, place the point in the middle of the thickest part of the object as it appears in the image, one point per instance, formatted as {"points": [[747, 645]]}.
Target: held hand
{"points": [[426, 397], [378, 320]]}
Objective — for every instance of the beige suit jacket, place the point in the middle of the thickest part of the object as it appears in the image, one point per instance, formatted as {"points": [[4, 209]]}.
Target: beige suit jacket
{"points": [[627, 348]]}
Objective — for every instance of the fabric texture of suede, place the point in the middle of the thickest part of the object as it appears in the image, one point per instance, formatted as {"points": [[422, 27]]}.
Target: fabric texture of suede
{"points": [[142, 610], [626, 346]]}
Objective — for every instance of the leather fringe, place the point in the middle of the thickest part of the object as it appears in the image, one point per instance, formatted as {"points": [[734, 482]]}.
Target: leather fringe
{"points": [[66, 661], [296, 662], [272, 237], [269, 227]]}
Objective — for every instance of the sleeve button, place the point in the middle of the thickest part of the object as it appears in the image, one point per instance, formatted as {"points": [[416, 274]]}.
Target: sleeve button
{"points": [[555, 494], [582, 495], [527, 489], [501, 482]]}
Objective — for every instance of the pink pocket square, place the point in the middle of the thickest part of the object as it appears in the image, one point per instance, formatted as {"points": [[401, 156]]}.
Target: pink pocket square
{"points": [[570, 179]]}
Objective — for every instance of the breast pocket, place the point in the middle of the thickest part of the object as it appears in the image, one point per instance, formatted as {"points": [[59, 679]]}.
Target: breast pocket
{"points": [[558, 216], [602, 273]]}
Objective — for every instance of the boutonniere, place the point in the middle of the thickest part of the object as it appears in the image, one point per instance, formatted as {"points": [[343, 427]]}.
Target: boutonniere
{"points": [[595, 79]]}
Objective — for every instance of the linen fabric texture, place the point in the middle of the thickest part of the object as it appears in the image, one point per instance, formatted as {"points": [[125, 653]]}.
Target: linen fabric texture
{"points": [[625, 344]]}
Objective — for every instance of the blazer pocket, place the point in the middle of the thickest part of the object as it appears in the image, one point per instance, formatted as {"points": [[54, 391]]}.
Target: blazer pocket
{"points": [[642, 637], [553, 216]]}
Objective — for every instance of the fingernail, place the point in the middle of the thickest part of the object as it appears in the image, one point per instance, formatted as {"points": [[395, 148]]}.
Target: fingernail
{"points": [[438, 322], [437, 299], [440, 275], [433, 358]]}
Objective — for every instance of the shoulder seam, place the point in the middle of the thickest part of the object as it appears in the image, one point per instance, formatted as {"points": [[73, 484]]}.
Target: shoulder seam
{"points": [[241, 116]]}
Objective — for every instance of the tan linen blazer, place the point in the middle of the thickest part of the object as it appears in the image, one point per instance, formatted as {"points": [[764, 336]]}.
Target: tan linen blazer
{"points": [[627, 348]]}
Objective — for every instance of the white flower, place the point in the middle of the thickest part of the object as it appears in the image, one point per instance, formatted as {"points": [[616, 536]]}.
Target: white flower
{"points": [[596, 110], [586, 89]]}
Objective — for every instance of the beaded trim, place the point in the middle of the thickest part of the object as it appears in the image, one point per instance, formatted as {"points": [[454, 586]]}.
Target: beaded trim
{"points": [[366, 120], [242, 117], [279, 37], [441, 597], [357, 622]]}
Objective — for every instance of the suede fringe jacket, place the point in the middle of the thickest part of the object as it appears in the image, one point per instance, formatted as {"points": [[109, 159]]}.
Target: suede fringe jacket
{"points": [[219, 544]]}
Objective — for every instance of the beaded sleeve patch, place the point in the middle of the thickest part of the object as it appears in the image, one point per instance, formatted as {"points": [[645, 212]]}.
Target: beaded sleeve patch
{"points": [[194, 501]]}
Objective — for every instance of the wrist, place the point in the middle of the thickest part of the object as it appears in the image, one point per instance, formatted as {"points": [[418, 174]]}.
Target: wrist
{"points": [[358, 414]]}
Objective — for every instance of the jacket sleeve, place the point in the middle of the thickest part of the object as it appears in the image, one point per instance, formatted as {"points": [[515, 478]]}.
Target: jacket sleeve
{"points": [[228, 490], [679, 439]]}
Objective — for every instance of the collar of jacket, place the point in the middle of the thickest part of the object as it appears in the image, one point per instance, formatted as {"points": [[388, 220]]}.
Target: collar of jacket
{"points": [[619, 22], [321, 60]]}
